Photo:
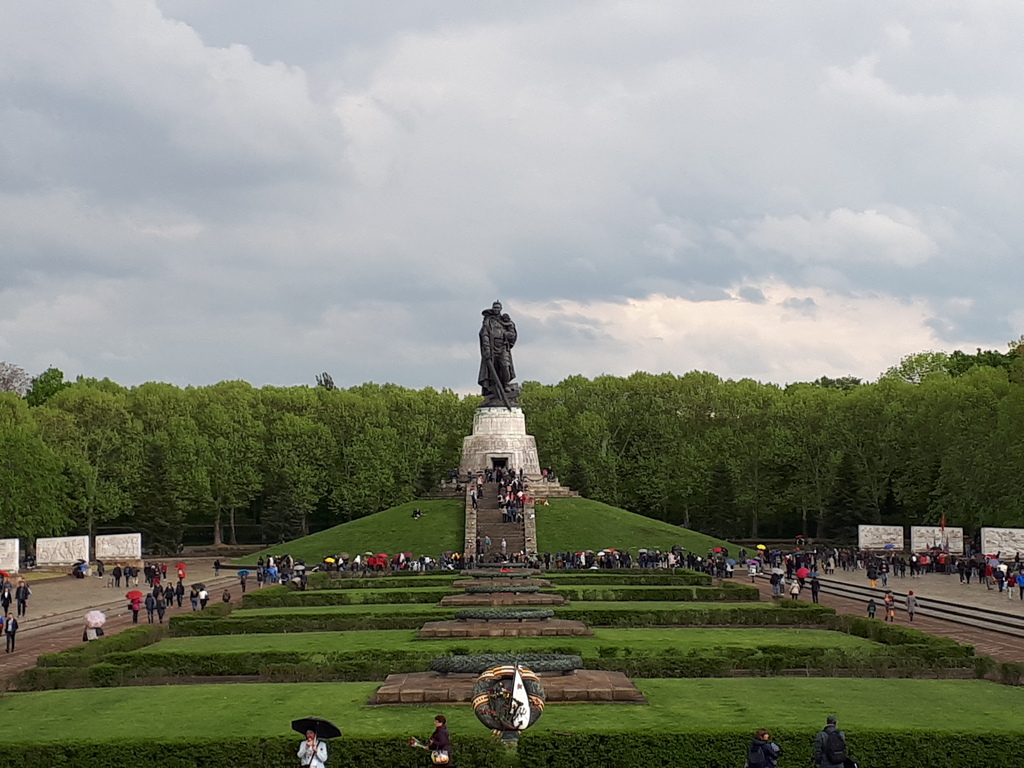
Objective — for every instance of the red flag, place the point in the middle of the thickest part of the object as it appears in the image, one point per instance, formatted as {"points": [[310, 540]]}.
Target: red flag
{"points": [[943, 523]]}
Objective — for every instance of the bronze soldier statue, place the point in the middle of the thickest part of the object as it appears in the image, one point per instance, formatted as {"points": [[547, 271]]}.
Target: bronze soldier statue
{"points": [[497, 337]]}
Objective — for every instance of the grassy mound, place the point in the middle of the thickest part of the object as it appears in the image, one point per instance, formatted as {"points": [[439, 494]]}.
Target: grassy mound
{"points": [[573, 525], [393, 530]]}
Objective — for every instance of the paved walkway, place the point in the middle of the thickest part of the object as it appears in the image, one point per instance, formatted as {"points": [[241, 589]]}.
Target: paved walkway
{"points": [[57, 608], [995, 644]]}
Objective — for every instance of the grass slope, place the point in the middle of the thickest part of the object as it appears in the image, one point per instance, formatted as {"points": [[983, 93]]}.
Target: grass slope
{"points": [[572, 525], [201, 711], [393, 530]]}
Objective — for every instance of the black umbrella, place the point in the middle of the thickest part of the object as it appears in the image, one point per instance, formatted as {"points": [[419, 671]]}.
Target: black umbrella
{"points": [[200, 585], [324, 729]]}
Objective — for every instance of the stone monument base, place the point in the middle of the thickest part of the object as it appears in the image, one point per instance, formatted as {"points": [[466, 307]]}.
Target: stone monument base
{"points": [[499, 439], [585, 686]]}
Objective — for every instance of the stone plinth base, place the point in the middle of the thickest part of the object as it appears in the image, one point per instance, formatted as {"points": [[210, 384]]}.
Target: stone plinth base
{"points": [[502, 599], [583, 686], [499, 433], [528, 628]]}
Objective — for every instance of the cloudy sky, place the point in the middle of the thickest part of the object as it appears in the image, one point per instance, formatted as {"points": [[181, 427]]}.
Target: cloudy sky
{"points": [[200, 190]]}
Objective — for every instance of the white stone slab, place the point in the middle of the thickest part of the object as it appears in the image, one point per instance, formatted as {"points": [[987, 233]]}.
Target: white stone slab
{"points": [[1006, 542], [62, 550], [874, 537], [925, 537], [10, 555], [499, 433], [119, 546]]}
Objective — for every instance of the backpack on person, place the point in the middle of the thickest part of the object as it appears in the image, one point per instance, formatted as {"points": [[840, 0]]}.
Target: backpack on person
{"points": [[835, 747]]}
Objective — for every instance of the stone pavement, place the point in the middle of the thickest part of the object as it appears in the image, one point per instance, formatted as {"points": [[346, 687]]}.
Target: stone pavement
{"points": [[999, 646], [57, 608]]}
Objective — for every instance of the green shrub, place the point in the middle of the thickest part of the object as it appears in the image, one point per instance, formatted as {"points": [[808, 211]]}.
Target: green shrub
{"points": [[726, 749], [743, 614], [634, 577], [735, 593], [373, 580], [306, 622], [471, 752], [89, 653], [291, 598], [892, 634]]}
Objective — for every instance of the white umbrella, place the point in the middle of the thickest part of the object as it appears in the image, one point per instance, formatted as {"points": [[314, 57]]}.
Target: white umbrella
{"points": [[95, 619]]}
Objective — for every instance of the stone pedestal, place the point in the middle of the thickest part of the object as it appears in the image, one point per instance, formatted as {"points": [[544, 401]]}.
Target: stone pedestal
{"points": [[499, 433]]}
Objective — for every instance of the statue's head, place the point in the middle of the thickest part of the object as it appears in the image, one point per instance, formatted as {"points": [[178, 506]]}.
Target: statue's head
{"points": [[496, 307]]}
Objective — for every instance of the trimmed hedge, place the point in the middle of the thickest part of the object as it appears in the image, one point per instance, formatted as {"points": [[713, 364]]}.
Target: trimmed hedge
{"points": [[86, 654], [927, 646], [336, 580], [638, 578], [736, 593], [696, 615], [359, 582], [727, 749], [295, 599], [306, 622], [472, 752]]}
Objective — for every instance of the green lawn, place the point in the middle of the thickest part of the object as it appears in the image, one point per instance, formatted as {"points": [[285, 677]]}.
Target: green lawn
{"points": [[572, 525], [206, 711], [684, 639], [393, 530]]}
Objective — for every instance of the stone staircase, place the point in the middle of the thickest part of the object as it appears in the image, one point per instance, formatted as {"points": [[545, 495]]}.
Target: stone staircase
{"points": [[488, 523]]}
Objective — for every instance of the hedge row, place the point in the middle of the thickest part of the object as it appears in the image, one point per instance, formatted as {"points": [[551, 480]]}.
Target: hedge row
{"points": [[290, 598], [86, 654], [727, 749], [338, 579], [630, 594], [638, 578], [471, 752], [352, 582], [537, 749], [307, 622], [927, 646], [691, 615]]}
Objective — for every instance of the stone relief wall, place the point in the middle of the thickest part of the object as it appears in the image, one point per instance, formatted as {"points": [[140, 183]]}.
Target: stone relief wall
{"points": [[925, 537], [1006, 541], [10, 555], [877, 536], [119, 546], [62, 550]]}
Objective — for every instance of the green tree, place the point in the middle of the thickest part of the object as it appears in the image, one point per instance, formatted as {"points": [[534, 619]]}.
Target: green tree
{"points": [[46, 385]]}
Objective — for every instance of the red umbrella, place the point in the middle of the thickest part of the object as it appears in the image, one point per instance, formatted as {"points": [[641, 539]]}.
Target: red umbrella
{"points": [[717, 549], [180, 565], [134, 595], [801, 573], [5, 574]]}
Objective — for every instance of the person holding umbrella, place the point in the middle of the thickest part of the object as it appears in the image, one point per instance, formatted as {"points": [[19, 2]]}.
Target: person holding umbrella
{"points": [[242, 576], [313, 751], [134, 604]]}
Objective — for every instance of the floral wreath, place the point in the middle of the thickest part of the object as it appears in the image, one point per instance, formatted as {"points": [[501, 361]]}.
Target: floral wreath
{"points": [[492, 697]]}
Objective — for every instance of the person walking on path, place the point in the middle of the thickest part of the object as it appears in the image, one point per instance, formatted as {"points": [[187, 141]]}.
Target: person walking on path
{"points": [[1020, 584], [911, 604], [815, 589], [193, 597], [150, 606], [23, 592], [135, 605], [179, 592], [890, 607], [10, 630], [6, 598], [241, 580], [161, 607], [762, 752], [794, 590], [830, 745], [204, 597], [504, 547]]}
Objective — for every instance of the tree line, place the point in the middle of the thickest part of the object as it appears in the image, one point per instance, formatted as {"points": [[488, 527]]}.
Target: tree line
{"points": [[936, 435]]}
